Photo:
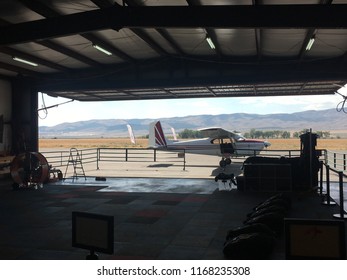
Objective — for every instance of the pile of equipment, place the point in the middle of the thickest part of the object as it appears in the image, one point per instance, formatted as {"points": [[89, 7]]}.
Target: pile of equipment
{"points": [[29, 170], [256, 239], [283, 174]]}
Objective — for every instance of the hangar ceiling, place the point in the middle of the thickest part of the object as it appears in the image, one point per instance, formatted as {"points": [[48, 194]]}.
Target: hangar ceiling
{"points": [[159, 48]]}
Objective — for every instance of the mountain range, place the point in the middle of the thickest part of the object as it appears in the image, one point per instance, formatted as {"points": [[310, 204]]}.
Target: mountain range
{"points": [[322, 120]]}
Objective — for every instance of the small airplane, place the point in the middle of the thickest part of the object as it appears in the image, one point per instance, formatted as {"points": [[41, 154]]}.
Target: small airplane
{"points": [[218, 142]]}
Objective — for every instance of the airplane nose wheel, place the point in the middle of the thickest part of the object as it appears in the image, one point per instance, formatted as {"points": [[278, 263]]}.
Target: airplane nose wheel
{"points": [[224, 162]]}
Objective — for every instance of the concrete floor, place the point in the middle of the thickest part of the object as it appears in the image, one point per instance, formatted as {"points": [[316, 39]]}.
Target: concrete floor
{"points": [[156, 217]]}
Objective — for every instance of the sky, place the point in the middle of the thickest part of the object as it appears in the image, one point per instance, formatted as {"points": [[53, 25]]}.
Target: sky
{"points": [[157, 109]]}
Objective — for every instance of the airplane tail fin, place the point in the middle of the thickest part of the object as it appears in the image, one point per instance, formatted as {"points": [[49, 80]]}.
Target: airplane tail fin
{"points": [[156, 135], [131, 134]]}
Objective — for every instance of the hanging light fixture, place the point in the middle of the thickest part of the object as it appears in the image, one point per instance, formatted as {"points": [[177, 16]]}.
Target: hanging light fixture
{"points": [[102, 49], [210, 42], [310, 43], [25, 61]]}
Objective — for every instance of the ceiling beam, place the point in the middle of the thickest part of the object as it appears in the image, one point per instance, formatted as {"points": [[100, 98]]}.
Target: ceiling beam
{"points": [[142, 35], [310, 33], [139, 33], [50, 13], [248, 16], [68, 52], [258, 34], [18, 70], [61, 49], [219, 75], [209, 31], [102, 3], [94, 39], [13, 52], [165, 34]]}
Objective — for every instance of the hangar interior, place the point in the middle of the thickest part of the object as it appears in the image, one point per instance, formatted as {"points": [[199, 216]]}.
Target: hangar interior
{"points": [[103, 50]]}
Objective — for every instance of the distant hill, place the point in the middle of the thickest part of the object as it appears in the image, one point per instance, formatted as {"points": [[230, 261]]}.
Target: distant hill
{"points": [[325, 120]]}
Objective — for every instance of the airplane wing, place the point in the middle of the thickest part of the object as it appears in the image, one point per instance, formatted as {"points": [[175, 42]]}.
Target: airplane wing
{"points": [[217, 132]]}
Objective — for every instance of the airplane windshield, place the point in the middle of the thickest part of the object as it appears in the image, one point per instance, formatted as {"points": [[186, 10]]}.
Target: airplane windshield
{"points": [[241, 138]]}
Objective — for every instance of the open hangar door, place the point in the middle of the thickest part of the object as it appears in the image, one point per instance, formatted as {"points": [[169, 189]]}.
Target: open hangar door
{"points": [[129, 50]]}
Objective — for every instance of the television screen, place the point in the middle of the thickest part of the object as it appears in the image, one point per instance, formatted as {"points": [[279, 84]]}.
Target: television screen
{"points": [[315, 239], [93, 232]]}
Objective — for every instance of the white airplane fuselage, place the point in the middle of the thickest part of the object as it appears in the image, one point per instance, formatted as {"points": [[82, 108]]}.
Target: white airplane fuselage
{"points": [[205, 146]]}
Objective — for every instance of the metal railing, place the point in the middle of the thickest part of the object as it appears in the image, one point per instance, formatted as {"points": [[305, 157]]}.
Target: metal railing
{"points": [[137, 155], [59, 159], [337, 160], [329, 201]]}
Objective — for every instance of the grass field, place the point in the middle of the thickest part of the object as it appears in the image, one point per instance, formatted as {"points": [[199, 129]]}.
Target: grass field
{"points": [[86, 143], [276, 144]]}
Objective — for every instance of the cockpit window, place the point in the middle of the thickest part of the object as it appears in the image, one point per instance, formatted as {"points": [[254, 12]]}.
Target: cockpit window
{"points": [[222, 141]]}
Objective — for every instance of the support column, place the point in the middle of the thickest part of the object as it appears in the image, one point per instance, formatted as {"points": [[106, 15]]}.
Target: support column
{"points": [[24, 116]]}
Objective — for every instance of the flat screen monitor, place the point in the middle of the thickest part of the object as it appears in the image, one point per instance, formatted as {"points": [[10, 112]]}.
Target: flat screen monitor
{"points": [[315, 239], [93, 232]]}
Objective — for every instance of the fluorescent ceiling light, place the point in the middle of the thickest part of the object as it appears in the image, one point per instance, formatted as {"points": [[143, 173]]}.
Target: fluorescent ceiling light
{"points": [[310, 43], [210, 42], [25, 61], [102, 49]]}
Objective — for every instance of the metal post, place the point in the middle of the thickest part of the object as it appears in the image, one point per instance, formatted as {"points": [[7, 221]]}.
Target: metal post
{"points": [[342, 214], [126, 154], [311, 159], [344, 162], [321, 178], [97, 158], [155, 155], [328, 201], [184, 160], [334, 160]]}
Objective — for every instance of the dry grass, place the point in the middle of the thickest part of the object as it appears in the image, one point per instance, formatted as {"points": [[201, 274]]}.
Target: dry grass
{"points": [[276, 144], [91, 143], [294, 144]]}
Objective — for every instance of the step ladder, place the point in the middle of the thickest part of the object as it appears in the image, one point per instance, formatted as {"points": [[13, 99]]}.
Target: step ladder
{"points": [[76, 162]]}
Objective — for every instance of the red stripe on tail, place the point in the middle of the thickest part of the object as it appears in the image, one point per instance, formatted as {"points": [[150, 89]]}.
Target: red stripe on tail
{"points": [[159, 135]]}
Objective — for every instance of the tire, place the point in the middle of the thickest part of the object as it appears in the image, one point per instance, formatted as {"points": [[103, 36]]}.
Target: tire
{"points": [[222, 163]]}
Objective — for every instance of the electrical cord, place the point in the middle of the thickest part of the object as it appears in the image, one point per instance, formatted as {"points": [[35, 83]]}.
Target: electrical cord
{"points": [[45, 108], [341, 106]]}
